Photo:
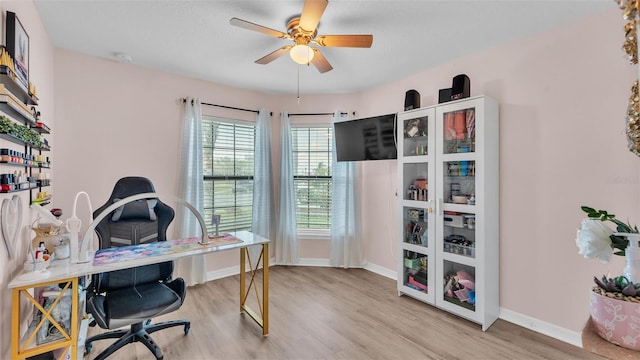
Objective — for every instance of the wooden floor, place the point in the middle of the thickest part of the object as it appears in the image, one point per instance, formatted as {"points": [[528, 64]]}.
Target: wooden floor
{"points": [[327, 313]]}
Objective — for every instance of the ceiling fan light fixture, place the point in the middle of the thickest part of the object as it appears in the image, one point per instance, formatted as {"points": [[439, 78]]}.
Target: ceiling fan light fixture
{"points": [[301, 54]]}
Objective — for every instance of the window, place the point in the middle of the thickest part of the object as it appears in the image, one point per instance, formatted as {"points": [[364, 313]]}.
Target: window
{"points": [[228, 152], [312, 176]]}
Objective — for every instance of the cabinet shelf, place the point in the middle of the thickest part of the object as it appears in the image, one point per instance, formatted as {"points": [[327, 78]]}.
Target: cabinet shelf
{"points": [[424, 250], [462, 304], [458, 259], [459, 157], [470, 209], [416, 159]]}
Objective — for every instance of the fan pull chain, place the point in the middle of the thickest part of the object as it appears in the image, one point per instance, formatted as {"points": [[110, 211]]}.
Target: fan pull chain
{"points": [[298, 84]]}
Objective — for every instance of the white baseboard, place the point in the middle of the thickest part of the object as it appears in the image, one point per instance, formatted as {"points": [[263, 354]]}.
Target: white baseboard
{"points": [[314, 262], [542, 327], [381, 271]]}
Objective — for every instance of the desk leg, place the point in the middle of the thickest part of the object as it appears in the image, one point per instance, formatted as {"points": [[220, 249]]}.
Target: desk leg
{"points": [[69, 341], [15, 322], [263, 318], [265, 288]]}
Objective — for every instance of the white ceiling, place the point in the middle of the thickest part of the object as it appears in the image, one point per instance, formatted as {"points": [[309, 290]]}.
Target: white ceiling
{"points": [[195, 39]]}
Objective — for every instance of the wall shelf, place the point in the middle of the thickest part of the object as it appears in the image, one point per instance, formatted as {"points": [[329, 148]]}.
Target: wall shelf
{"points": [[13, 109], [7, 78]]}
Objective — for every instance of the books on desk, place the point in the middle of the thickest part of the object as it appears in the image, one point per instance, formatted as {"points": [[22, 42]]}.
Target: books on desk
{"points": [[133, 252]]}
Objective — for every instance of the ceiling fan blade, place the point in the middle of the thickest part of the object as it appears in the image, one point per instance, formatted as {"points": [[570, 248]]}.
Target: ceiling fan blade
{"points": [[274, 55], [259, 28], [356, 41], [320, 62], [311, 14]]}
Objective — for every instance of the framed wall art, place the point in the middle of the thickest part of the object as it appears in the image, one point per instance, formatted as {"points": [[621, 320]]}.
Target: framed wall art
{"points": [[17, 44]]}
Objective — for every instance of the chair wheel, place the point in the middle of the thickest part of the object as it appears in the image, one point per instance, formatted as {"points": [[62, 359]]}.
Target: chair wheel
{"points": [[186, 329]]}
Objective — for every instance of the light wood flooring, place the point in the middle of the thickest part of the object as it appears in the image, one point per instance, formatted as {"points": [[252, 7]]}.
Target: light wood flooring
{"points": [[328, 313]]}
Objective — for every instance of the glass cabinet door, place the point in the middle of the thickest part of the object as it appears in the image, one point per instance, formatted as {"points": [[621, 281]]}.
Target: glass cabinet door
{"points": [[416, 172], [456, 229]]}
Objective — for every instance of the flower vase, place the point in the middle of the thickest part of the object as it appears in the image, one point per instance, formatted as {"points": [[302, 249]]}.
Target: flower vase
{"points": [[632, 255]]}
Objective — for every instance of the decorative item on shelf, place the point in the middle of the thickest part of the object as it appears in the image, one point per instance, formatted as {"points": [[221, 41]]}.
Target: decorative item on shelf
{"points": [[16, 181], [460, 87], [633, 120], [449, 132], [411, 100], [43, 198], [613, 314], [415, 128], [630, 46], [32, 90], [629, 13], [18, 47], [460, 286], [7, 61], [471, 200], [459, 125], [11, 223], [444, 95], [470, 115], [46, 234], [73, 224], [20, 132]]}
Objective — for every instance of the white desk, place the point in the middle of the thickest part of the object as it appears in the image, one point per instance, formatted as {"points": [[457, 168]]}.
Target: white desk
{"points": [[62, 272]]}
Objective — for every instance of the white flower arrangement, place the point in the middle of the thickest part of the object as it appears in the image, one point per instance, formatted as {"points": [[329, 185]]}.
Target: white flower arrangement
{"points": [[596, 240]]}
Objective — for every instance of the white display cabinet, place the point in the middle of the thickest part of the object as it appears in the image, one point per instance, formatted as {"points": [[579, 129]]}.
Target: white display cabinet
{"points": [[456, 161]]}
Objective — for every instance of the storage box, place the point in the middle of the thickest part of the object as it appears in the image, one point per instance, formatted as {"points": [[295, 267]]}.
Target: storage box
{"points": [[454, 220], [416, 283], [412, 263]]}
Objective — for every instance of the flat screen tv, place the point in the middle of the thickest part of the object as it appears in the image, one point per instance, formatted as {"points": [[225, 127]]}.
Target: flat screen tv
{"points": [[371, 138]]}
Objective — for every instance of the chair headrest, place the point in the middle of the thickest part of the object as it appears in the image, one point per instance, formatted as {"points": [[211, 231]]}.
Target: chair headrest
{"points": [[136, 210], [139, 209]]}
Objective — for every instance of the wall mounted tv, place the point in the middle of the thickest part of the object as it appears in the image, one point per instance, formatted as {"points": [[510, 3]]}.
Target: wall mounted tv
{"points": [[371, 138]]}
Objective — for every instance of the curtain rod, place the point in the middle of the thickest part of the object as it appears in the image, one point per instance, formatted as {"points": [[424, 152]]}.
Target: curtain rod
{"points": [[316, 114], [227, 107]]}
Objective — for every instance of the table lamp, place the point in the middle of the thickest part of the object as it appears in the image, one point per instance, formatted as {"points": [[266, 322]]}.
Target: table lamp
{"points": [[86, 254]]}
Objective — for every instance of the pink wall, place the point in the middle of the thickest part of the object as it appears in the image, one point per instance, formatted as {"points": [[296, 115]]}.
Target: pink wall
{"points": [[41, 74], [563, 98], [562, 95]]}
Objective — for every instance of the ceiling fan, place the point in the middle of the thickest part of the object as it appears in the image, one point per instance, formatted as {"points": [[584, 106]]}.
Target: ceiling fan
{"points": [[303, 31]]}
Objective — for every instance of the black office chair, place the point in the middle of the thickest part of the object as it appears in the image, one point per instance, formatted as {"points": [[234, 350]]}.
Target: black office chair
{"points": [[134, 296]]}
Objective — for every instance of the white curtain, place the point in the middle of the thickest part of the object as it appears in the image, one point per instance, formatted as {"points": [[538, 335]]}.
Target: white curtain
{"points": [[286, 241], [192, 269], [262, 198], [346, 237]]}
